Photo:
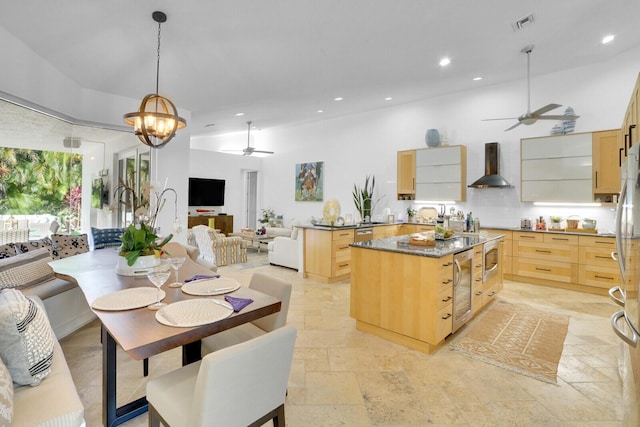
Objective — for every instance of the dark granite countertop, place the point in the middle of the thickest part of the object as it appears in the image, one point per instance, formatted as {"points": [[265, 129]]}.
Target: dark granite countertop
{"points": [[578, 233], [356, 226], [400, 244]]}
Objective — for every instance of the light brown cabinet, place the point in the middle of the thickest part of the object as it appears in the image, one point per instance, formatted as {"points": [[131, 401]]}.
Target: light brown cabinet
{"points": [[224, 223], [407, 175], [607, 160], [597, 266], [631, 122], [327, 255]]}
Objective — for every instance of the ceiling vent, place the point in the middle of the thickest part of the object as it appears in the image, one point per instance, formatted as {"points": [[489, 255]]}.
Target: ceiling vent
{"points": [[70, 142], [523, 22]]}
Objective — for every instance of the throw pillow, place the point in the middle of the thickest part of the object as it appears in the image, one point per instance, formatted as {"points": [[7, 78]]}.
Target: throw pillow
{"points": [[7, 250], [106, 237], [26, 338], [294, 229], [6, 396], [31, 245], [67, 245], [27, 269]]}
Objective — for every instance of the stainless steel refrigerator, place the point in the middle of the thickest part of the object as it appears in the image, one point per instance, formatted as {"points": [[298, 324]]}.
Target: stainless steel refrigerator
{"points": [[626, 322]]}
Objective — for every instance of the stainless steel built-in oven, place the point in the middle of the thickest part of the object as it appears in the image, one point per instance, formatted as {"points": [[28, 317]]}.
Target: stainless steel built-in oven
{"points": [[491, 260], [462, 279]]}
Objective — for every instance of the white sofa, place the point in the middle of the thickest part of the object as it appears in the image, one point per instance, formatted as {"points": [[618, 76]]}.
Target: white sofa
{"points": [[284, 249]]}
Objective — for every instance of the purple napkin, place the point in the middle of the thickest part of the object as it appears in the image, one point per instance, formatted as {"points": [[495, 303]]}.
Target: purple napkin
{"points": [[238, 303], [200, 277]]}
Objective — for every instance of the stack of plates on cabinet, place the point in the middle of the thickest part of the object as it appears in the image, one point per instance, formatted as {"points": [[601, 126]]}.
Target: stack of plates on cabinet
{"points": [[569, 125]]}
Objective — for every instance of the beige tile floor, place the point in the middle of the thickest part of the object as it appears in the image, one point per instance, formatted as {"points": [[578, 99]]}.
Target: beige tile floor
{"points": [[343, 377]]}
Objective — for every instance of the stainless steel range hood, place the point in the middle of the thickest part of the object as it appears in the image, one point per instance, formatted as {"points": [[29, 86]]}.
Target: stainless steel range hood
{"points": [[491, 178]]}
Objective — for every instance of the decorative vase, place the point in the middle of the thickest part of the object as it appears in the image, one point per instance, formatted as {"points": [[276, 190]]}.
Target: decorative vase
{"points": [[432, 138], [142, 266]]}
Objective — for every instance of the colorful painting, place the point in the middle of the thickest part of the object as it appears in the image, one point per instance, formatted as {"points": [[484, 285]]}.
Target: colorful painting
{"points": [[309, 182]]}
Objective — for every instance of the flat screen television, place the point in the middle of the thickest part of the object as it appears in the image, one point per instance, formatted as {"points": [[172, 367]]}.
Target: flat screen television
{"points": [[206, 192]]}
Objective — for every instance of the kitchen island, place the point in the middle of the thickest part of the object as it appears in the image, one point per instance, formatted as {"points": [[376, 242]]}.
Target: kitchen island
{"points": [[405, 293]]}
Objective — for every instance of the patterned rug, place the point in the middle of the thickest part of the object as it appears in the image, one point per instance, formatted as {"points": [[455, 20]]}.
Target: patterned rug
{"points": [[517, 338]]}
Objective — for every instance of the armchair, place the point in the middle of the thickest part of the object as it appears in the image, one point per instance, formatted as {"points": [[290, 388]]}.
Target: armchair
{"points": [[217, 249]]}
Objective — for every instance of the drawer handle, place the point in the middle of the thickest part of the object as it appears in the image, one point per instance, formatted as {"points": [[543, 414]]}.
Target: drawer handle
{"points": [[491, 294], [603, 277], [564, 239], [605, 243], [603, 257], [478, 293], [448, 315], [447, 264], [479, 265], [527, 237], [343, 265], [479, 279], [543, 269], [446, 282], [447, 299], [543, 251]]}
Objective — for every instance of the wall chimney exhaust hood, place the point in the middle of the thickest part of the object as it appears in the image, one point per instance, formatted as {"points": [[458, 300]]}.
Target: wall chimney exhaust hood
{"points": [[491, 178]]}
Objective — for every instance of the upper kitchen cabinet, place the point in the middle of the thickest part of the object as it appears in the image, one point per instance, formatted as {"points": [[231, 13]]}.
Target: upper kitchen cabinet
{"points": [[407, 175], [608, 153], [631, 123], [441, 173], [557, 168]]}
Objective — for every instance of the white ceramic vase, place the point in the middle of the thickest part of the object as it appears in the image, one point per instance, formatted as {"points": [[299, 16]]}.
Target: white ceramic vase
{"points": [[142, 266]]}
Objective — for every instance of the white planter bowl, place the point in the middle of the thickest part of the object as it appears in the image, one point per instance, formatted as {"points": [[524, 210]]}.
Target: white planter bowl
{"points": [[142, 266]]}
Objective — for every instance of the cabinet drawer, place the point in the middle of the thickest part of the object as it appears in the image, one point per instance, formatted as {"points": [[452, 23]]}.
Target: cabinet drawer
{"points": [[489, 295], [340, 248], [420, 228], [565, 239], [476, 301], [527, 236], [545, 251], [600, 277], [445, 298], [341, 267], [507, 247], [598, 242], [444, 322], [343, 235], [507, 263], [591, 255], [445, 273], [477, 281], [550, 270]]}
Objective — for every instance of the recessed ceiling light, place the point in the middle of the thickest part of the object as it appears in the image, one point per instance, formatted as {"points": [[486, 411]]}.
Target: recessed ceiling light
{"points": [[608, 38], [320, 111], [239, 114], [444, 62], [475, 79], [388, 98], [339, 98]]}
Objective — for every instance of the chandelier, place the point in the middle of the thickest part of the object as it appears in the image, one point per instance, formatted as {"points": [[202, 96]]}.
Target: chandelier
{"points": [[156, 121]]}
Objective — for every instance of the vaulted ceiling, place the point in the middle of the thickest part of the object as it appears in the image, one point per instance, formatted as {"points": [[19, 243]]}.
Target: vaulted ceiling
{"points": [[281, 61]]}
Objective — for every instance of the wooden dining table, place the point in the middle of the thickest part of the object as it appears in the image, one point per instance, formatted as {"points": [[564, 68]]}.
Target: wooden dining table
{"points": [[137, 331]]}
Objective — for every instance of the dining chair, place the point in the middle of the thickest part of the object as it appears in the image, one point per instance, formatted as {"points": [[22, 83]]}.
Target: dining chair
{"points": [[265, 284], [241, 385]]}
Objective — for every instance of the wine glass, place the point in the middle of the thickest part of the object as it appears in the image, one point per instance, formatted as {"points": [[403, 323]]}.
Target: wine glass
{"points": [[176, 263], [158, 276]]}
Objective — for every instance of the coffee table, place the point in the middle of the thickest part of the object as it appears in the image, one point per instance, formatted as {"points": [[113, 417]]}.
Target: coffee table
{"points": [[254, 238]]}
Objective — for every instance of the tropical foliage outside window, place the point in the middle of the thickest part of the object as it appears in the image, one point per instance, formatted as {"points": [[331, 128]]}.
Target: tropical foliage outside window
{"points": [[36, 182]]}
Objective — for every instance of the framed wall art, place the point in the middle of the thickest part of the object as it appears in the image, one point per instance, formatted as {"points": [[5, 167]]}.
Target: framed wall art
{"points": [[309, 177]]}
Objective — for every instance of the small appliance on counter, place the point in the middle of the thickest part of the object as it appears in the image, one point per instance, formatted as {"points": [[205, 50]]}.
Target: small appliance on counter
{"points": [[525, 223]]}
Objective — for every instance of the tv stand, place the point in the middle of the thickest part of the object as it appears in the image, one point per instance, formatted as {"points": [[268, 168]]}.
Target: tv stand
{"points": [[222, 222]]}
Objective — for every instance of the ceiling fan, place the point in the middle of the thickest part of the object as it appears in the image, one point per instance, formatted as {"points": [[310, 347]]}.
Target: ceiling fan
{"points": [[530, 117], [250, 150]]}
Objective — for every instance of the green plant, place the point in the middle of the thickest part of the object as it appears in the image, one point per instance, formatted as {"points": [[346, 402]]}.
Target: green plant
{"points": [[363, 197], [141, 240], [411, 212]]}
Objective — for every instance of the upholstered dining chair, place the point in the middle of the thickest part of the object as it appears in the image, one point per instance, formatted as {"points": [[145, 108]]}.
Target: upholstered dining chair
{"points": [[241, 385], [265, 284]]}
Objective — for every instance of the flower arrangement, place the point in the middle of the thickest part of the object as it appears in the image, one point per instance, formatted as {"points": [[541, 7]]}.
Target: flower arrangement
{"points": [[266, 214], [140, 238]]}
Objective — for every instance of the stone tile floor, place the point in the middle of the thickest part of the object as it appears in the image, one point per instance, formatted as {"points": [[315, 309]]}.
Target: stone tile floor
{"points": [[343, 377]]}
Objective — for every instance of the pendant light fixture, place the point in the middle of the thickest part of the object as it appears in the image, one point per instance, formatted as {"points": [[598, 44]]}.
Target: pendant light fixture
{"points": [[157, 120]]}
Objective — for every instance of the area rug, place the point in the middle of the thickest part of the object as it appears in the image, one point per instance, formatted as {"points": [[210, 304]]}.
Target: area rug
{"points": [[517, 338], [253, 260]]}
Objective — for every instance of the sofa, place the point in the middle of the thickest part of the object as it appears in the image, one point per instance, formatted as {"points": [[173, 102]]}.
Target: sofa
{"points": [[216, 249], [284, 250], [36, 387]]}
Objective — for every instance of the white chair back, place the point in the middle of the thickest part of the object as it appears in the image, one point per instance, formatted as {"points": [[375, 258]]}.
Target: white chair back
{"points": [[277, 288], [204, 243], [240, 384]]}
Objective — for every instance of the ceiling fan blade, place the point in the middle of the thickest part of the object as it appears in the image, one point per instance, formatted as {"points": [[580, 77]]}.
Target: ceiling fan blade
{"points": [[263, 152], [557, 117], [546, 108], [503, 118], [516, 125]]}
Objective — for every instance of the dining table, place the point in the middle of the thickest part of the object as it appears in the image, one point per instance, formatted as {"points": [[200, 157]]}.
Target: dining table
{"points": [[137, 331]]}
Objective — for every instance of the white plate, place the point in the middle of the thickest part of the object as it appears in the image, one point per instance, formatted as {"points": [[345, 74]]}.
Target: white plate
{"points": [[207, 287], [128, 299], [194, 312]]}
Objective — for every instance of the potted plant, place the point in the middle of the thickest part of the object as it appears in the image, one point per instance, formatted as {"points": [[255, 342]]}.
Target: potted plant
{"points": [[140, 240], [411, 213], [363, 198]]}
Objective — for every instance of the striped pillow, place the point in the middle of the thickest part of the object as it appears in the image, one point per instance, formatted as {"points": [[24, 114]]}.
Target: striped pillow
{"points": [[24, 270], [26, 338]]}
